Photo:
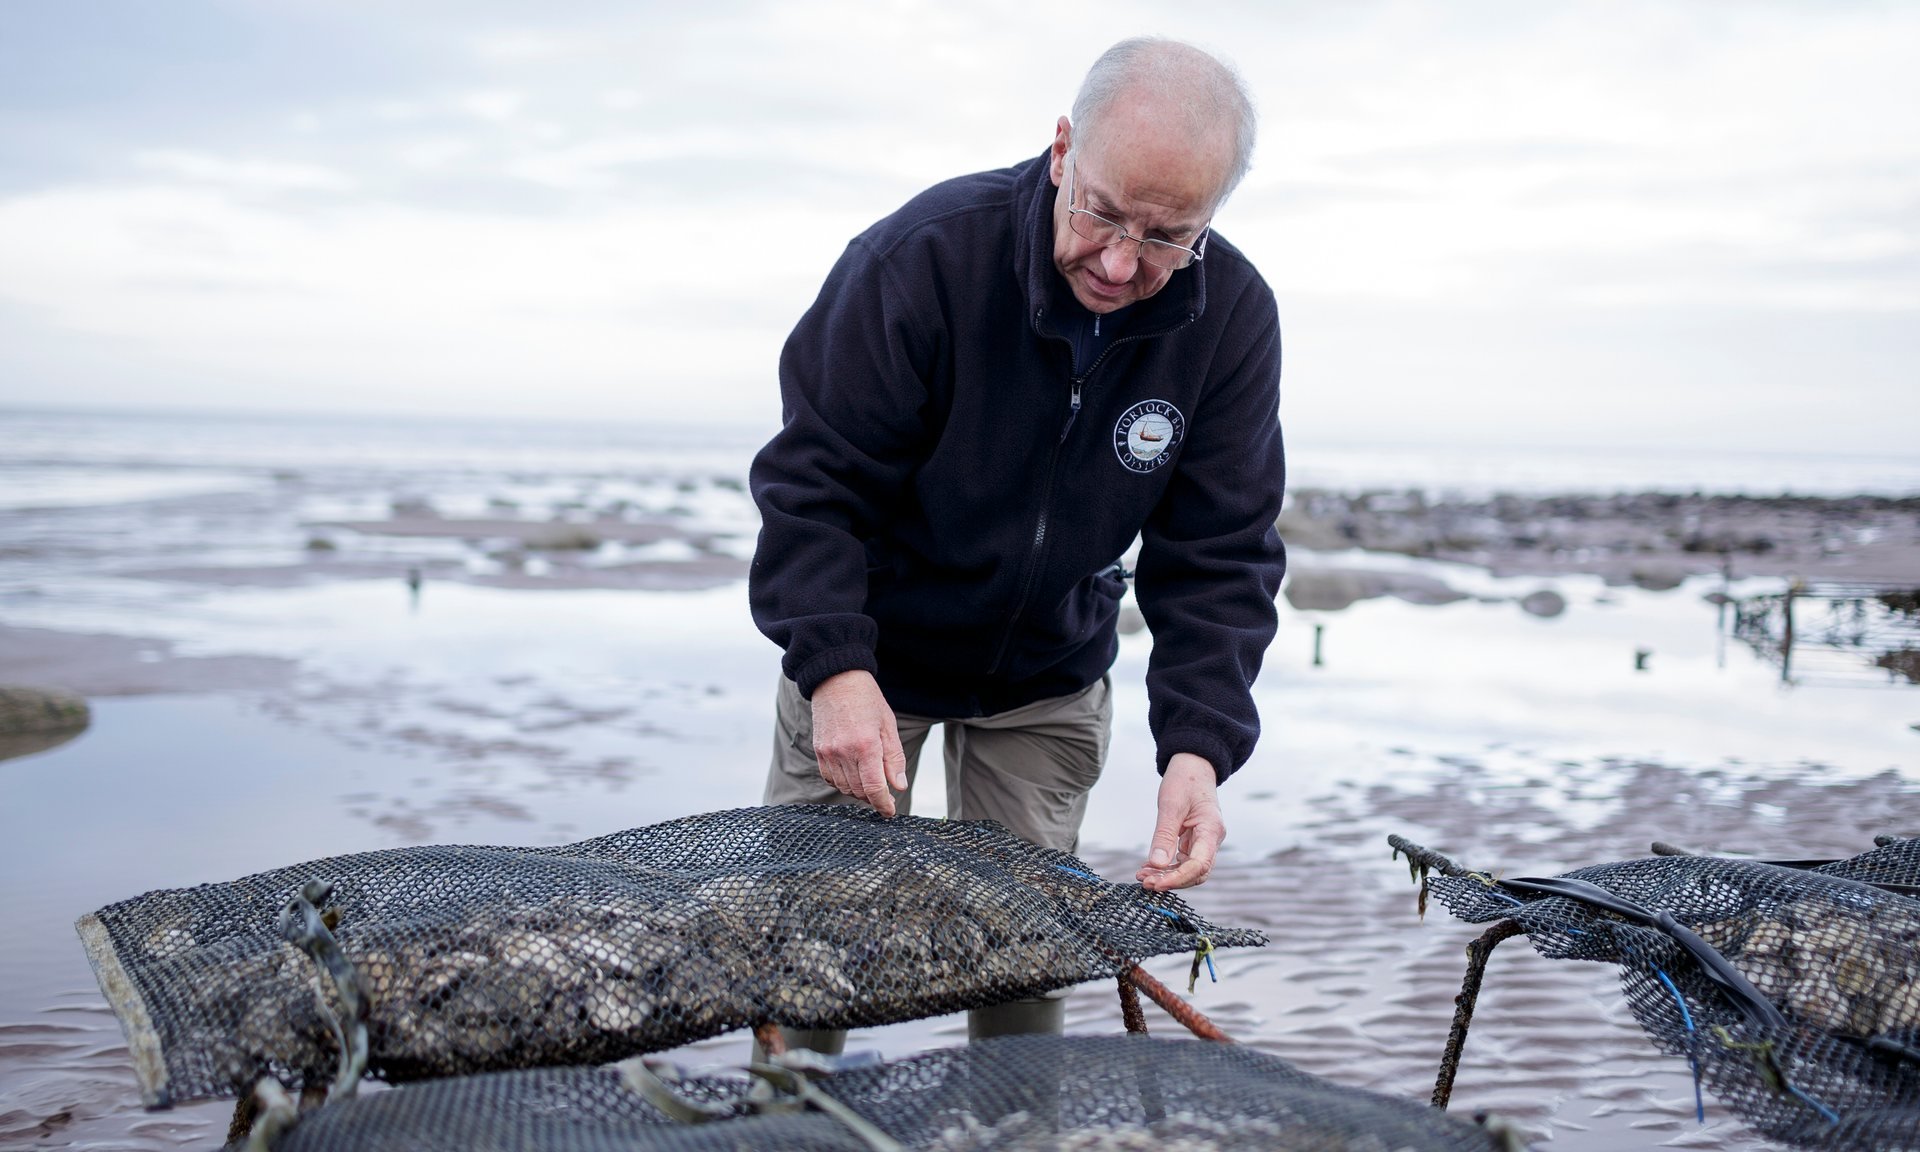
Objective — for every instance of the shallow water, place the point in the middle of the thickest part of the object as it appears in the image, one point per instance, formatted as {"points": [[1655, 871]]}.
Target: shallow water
{"points": [[517, 715], [493, 716]]}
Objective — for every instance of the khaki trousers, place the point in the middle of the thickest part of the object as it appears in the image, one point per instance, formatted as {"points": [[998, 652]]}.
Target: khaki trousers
{"points": [[1030, 768]]}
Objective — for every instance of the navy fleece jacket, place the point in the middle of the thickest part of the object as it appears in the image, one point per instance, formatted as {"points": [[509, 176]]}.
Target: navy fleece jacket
{"points": [[946, 501]]}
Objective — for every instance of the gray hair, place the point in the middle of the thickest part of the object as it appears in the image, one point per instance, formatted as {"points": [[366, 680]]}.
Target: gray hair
{"points": [[1206, 89]]}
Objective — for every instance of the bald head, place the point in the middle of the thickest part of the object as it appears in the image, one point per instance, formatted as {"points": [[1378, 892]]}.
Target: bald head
{"points": [[1148, 79]]}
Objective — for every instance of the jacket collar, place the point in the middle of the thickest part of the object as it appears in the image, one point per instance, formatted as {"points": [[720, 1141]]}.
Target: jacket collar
{"points": [[1180, 302]]}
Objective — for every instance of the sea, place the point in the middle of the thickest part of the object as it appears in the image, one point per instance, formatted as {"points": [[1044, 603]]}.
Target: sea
{"points": [[63, 458]]}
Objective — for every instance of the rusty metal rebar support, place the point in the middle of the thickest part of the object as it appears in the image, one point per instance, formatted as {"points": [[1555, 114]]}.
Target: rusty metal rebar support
{"points": [[1478, 953], [245, 1111], [1194, 1020], [1130, 1012]]}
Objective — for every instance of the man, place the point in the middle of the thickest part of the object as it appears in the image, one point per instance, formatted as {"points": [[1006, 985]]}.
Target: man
{"points": [[999, 387]]}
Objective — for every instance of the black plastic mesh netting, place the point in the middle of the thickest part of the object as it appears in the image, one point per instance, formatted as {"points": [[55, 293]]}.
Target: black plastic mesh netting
{"points": [[1014, 1094], [1838, 1065], [478, 959], [1896, 861]]}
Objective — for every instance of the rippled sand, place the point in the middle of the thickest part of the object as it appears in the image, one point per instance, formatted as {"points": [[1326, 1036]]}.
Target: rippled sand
{"points": [[1356, 987], [259, 702]]}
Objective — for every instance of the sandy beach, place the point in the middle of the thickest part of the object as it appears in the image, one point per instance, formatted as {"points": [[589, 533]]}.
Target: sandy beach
{"points": [[291, 660]]}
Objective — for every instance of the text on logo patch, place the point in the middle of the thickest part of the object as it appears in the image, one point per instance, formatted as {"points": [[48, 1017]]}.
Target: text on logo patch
{"points": [[1147, 433]]}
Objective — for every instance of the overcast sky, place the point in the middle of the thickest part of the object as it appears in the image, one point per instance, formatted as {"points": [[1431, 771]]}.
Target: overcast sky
{"points": [[1638, 223]]}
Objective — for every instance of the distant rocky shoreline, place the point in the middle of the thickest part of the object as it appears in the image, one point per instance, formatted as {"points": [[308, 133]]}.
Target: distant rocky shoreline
{"points": [[1651, 539]]}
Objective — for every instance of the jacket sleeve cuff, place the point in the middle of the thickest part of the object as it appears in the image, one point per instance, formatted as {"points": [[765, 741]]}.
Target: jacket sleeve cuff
{"points": [[1203, 744], [832, 662]]}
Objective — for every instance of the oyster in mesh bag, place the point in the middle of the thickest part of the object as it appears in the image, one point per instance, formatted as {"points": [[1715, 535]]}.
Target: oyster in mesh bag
{"points": [[1789, 987], [1848, 967], [472, 959], [1008, 1094]]}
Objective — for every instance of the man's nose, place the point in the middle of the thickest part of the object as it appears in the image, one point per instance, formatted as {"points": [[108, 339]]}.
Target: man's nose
{"points": [[1120, 261]]}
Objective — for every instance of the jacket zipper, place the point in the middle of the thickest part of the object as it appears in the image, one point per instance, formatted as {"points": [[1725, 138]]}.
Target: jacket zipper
{"points": [[1033, 557], [1046, 494]]}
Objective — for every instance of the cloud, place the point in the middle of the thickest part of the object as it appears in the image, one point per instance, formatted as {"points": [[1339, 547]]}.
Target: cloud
{"points": [[609, 206], [379, 305], [251, 174], [496, 107]]}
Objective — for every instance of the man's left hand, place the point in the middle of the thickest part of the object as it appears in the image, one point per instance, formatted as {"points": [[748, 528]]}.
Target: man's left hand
{"points": [[1189, 829]]}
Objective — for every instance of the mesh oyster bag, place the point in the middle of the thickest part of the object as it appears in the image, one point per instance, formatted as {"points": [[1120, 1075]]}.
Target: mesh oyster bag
{"points": [[1012, 1094], [1893, 862], [473, 959], [1791, 990]]}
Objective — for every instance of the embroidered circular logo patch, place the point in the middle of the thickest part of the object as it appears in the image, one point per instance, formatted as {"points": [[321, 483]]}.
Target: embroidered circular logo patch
{"points": [[1146, 435]]}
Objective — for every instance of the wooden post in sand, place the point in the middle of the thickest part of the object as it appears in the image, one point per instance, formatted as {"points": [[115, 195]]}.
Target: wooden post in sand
{"points": [[1786, 640], [1726, 598]]}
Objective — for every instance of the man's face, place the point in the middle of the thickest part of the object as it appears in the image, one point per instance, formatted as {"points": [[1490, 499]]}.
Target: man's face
{"points": [[1156, 182]]}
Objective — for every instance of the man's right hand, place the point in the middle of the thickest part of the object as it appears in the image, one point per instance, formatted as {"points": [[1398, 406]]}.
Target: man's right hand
{"points": [[857, 741]]}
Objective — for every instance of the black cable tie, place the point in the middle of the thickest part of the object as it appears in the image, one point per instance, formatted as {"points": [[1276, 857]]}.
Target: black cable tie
{"points": [[1751, 1002]]}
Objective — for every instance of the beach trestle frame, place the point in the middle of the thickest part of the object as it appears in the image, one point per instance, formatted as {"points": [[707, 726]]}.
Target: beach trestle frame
{"points": [[1819, 1077], [1869, 632]]}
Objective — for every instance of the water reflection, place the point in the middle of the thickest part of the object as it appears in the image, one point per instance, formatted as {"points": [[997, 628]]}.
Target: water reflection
{"points": [[1835, 631], [29, 743]]}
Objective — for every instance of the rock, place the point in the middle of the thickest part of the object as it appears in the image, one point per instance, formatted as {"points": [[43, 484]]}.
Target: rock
{"points": [[1901, 662], [1904, 601], [413, 508], [562, 537], [1546, 603], [1300, 530], [32, 743], [1324, 589], [1655, 577], [1417, 589], [26, 711], [1332, 589]]}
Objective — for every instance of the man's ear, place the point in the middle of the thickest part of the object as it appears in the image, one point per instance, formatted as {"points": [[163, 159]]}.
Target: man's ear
{"points": [[1062, 140]]}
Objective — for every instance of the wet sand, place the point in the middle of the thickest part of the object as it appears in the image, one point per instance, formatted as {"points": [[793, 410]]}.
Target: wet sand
{"points": [[1356, 987], [255, 709], [105, 665]]}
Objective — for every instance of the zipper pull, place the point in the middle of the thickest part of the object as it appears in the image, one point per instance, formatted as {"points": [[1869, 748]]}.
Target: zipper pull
{"points": [[1073, 412]]}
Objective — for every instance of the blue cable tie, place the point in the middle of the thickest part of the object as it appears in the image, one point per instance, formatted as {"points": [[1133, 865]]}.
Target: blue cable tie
{"points": [[1829, 1114], [1077, 872], [1693, 1061]]}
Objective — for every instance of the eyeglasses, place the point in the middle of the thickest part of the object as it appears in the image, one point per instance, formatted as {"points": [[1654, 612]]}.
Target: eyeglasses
{"points": [[1090, 225]]}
